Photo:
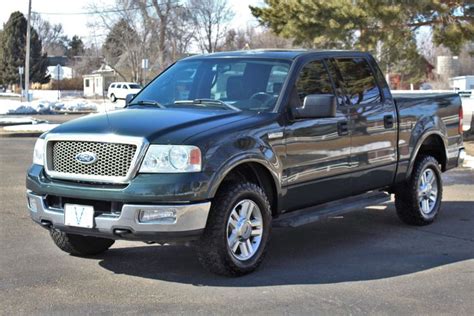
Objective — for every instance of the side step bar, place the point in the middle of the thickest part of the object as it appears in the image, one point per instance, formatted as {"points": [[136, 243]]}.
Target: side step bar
{"points": [[322, 211]]}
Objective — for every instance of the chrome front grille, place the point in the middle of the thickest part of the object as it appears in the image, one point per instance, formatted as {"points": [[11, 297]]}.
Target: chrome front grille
{"points": [[113, 160], [116, 157]]}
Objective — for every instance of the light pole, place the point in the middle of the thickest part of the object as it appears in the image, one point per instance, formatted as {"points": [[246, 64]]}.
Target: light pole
{"points": [[27, 58]]}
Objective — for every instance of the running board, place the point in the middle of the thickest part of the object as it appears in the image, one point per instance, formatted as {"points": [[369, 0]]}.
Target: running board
{"points": [[322, 211]]}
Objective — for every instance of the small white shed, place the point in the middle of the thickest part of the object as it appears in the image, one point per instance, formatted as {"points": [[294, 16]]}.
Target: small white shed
{"points": [[462, 82], [96, 83]]}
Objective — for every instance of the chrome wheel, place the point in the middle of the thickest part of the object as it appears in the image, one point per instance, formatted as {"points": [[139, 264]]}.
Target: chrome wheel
{"points": [[244, 229], [427, 191]]}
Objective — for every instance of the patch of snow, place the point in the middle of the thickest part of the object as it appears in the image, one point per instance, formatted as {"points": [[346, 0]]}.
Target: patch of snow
{"points": [[9, 94], [11, 120], [54, 106], [468, 162], [32, 128]]}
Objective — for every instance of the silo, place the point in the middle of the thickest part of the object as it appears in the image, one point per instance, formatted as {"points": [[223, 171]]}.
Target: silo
{"points": [[447, 66]]}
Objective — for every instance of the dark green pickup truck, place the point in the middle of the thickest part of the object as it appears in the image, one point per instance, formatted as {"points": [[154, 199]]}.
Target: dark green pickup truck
{"points": [[219, 148]]}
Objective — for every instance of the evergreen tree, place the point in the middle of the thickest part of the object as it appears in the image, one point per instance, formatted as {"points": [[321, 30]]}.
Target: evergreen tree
{"points": [[13, 52], [75, 47], [385, 28]]}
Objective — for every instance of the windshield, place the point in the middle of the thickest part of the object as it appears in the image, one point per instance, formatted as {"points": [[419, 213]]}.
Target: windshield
{"points": [[236, 83]]}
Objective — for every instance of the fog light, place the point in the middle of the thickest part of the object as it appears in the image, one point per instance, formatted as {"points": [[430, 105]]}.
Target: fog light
{"points": [[32, 204], [160, 216]]}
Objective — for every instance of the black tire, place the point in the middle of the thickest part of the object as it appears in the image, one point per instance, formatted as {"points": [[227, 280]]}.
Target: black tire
{"points": [[113, 98], [406, 196], [213, 250], [78, 245]]}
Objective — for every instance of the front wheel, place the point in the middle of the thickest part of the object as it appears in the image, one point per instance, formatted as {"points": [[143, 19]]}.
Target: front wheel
{"points": [[237, 230], [78, 245], [418, 201]]}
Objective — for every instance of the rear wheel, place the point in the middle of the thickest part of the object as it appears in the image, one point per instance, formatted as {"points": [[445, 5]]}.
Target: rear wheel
{"points": [[419, 200], [113, 98], [80, 245], [237, 231]]}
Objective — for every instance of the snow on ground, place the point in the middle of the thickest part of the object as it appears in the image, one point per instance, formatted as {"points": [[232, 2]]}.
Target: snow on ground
{"points": [[54, 106], [9, 120], [31, 128], [469, 162], [9, 94]]}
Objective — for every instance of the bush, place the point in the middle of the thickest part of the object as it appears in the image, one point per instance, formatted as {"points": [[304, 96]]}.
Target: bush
{"points": [[67, 84]]}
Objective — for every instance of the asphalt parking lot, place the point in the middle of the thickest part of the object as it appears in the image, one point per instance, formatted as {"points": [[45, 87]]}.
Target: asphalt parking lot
{"points": [[366, 262]]}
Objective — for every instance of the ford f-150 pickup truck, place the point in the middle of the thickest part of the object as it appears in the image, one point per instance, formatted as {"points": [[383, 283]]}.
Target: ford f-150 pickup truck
{"points": [[219, 148]]}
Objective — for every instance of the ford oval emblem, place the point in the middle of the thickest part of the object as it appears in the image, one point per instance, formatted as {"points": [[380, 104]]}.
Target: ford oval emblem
{"points": [[86, 158]]}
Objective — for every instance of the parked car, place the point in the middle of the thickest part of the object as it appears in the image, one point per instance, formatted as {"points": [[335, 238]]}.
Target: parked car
{"points": [[219, 148], [119, 90]]}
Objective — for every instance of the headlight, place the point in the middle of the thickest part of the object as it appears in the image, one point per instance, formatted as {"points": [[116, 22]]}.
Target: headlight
{"points": [[171, 159], [38, 153]]}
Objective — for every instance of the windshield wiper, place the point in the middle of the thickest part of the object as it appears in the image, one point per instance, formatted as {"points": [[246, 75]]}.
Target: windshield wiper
{"points": [[146, 103], [208, 102]]}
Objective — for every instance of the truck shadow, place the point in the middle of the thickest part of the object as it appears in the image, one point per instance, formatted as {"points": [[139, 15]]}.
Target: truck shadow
{"points": [[365, 245]]}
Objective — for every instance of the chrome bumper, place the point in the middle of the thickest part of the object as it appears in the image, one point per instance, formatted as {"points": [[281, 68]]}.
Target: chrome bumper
{"points": [[190, 220]]}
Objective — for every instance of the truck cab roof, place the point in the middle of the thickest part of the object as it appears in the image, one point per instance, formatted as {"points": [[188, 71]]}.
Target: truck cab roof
{"points": [[289, 54]]}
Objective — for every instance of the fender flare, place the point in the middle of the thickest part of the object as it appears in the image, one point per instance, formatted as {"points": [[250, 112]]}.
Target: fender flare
{"points": [[420, 142], [234, 162]]}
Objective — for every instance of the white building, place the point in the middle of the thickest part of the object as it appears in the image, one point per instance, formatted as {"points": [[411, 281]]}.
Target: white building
{"points": [[462, 82], [64, 72], [96, 84]]}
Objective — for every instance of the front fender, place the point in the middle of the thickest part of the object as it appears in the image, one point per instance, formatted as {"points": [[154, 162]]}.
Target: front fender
{"points": [[262, 155]]}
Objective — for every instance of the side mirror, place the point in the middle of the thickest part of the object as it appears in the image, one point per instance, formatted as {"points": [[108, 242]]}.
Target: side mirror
{"points": [[316, 106], [129, 98]]}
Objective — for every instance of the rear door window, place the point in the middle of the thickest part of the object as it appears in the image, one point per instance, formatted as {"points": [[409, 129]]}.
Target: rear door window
{"points": [[119, 86], [358, 80]]}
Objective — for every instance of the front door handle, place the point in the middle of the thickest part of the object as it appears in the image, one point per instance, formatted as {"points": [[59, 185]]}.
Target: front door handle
{"points": [[388, 121], [342, 128]]}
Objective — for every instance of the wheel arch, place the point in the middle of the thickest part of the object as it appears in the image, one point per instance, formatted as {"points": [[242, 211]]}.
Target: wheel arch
{"points": [[431, 143], [255, 171]]}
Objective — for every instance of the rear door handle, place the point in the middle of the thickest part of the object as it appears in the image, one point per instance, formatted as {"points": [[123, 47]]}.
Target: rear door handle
{"points": [[388, 121], [342, 128]]}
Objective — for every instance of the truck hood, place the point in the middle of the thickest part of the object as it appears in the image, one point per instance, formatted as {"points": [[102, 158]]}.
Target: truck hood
{"points": [[163, 126]]}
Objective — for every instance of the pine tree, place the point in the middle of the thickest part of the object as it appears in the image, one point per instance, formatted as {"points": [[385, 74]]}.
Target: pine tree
{"points": [[13, 52], [385, 28], [75, 47]]}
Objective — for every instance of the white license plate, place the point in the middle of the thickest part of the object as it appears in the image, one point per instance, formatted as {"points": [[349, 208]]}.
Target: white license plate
{"points": [[79, 215]]}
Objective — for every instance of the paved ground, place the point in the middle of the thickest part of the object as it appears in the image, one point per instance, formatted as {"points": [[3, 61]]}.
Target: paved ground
{"points": [[365, 262]]}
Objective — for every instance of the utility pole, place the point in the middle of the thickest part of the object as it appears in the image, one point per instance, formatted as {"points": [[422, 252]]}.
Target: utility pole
{"points": [[27, 60]]}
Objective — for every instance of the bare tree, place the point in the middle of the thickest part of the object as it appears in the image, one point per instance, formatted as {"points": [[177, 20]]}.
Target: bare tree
{"points": [[159, 31], [51, 35], [253, 38], [211, 20], [181, 33]]}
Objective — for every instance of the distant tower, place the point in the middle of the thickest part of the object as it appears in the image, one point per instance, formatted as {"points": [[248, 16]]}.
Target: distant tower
{"points": [[447, 66]]}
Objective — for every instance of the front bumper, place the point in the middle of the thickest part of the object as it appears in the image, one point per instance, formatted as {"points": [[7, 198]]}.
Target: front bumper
{"points": [[190, 221]]}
